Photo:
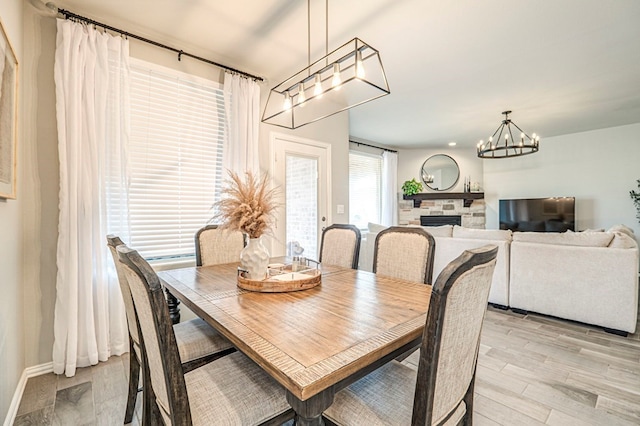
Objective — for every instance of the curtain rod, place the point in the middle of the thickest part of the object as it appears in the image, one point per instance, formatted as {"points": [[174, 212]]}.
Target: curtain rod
{"points": [[68, 14], [373, 146]]}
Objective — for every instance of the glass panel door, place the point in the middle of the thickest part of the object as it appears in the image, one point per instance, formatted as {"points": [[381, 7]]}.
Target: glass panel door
{"points": [[301, 195], [300, 171]]}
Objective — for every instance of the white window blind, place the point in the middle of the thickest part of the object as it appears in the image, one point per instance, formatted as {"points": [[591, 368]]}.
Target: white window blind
{"points": [[365, 183], [175, 158]]}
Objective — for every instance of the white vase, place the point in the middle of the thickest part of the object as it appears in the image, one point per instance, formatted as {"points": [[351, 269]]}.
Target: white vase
{"points": [[255, 258]]}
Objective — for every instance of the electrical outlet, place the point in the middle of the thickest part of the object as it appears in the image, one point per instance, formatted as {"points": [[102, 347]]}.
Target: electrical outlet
{"points": [[340, 209]]}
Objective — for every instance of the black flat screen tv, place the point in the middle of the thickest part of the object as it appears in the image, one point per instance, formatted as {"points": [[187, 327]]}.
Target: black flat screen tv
{"points": [[554, 214]]}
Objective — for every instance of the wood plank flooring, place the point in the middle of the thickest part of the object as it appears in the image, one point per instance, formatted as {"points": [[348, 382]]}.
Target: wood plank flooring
{"points": [[532, 370]]}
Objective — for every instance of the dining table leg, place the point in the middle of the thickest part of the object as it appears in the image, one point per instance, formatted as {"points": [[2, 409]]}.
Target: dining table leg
{"points": [[174, 310], [309, 412]]}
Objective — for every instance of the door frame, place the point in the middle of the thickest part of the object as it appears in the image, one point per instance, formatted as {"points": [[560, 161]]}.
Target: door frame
{"points": [[272, 167]]}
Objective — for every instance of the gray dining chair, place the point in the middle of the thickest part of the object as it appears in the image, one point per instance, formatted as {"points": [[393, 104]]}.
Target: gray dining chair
{"points": [[215, 246], [441, 391], [405, 253], [340, 246], [230, 390], [198, 343]]}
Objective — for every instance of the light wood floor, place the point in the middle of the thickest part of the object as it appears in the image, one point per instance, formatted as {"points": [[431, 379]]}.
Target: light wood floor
{"points": [[532, 370]]}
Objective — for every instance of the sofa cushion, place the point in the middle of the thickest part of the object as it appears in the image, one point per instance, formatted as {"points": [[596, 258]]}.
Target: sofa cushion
{"points": [[481, 234], [623, 241], [436, 231], [439, 231], [587, 239]]}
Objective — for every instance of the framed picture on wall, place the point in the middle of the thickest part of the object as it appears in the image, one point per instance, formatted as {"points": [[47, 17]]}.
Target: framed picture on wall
{"points": [[8, 116]]}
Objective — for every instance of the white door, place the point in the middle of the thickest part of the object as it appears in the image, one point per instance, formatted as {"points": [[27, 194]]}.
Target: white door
{"points": [[300, 169]]}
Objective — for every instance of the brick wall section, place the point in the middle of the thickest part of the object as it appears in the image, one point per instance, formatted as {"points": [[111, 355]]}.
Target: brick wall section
{"points": [[472, 217]]}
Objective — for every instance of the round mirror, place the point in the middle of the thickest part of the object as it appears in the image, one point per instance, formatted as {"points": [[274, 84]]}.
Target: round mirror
{"points": [[440, 172]]}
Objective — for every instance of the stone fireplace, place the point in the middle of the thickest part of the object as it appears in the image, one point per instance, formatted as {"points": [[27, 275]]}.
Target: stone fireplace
{"points": [[442, 211]]}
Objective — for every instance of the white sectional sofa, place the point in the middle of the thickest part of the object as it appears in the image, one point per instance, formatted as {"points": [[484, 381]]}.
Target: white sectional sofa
{"points": [[451, 241], [591, 277]]}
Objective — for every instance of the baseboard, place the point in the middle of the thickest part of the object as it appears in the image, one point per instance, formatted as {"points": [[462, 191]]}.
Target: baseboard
{"points": [[28, 372]]}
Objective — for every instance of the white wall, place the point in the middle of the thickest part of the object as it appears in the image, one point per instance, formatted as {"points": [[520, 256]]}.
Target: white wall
{"points": [[599, 168], [12, 349], [410, 163]]}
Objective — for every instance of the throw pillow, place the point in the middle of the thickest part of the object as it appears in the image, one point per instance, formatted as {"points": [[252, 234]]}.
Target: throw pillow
{"points": [[374, 228], [623, 241], [622, 228]]}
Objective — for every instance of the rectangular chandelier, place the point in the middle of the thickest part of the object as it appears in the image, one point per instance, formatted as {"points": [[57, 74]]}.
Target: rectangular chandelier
{"points": [[347, 77]]}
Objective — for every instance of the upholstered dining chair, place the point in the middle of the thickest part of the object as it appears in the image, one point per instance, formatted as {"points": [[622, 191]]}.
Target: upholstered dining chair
{"points": [[215, 246], [405, 253], [230, 390], [441, 392], [198, 343], [340, 246]]}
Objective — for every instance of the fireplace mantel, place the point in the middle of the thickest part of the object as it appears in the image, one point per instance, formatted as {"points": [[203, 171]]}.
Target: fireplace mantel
{"points": [[468, 197]]}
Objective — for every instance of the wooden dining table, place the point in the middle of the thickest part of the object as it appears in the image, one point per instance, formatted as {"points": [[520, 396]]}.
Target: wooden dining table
{"points": [[313, 342]]}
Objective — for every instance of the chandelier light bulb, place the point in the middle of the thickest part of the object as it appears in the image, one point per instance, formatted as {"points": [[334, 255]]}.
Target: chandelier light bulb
{"points": [[359, 66], [301, 97], [287, 101], [317, 87], [336, 81]]}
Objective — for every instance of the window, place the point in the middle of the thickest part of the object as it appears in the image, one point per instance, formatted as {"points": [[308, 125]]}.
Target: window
{"points": [[365, 188], [175, 158]]}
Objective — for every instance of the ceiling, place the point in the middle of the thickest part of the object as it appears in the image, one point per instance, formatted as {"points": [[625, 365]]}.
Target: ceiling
{"points": [[562, 66]]}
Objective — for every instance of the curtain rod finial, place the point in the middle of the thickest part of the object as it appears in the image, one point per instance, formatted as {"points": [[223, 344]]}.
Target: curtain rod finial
{"points": [[46, 9]]}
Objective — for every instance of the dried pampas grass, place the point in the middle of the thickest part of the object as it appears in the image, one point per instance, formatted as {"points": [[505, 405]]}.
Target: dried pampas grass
{"points": [[246, 205]]}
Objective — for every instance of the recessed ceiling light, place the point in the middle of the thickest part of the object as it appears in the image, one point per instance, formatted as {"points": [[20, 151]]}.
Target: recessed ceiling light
{"points": [[452, 144]]}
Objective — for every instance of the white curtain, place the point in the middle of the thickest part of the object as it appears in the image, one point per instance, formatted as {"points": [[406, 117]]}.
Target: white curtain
{"points": [[242, 106], [389, 188], [91, 77]]}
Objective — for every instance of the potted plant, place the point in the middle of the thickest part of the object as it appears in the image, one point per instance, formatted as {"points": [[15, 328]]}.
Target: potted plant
{"points": [[248, 205], [635, 196], [411, 187]]}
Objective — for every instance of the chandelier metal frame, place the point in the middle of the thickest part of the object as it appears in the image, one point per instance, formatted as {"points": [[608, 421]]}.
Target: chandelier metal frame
{"points": [[347, 77], [510, 147]]}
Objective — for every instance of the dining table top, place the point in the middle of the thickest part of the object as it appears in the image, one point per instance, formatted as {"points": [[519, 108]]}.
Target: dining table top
{"points": [[310, 340]]}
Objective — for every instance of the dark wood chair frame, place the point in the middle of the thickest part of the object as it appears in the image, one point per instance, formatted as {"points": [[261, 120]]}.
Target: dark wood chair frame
{"points": [[180, 412], [356, 254], [432, 336], [135, 364], [172, 301], [197, 241], [430, 348], [428, 267]]}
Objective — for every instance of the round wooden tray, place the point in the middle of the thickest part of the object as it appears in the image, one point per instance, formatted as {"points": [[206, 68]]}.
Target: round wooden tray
{"points": [[284, 284]]}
